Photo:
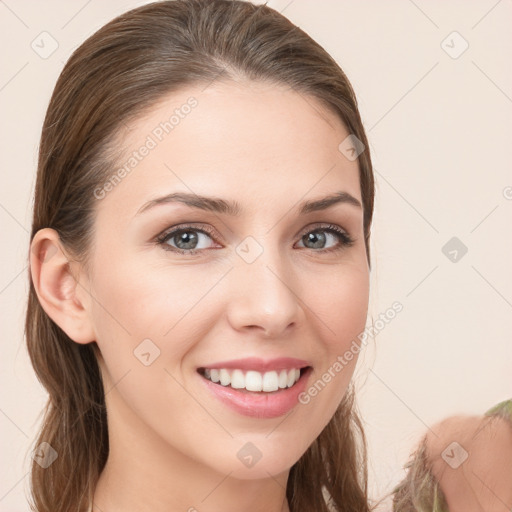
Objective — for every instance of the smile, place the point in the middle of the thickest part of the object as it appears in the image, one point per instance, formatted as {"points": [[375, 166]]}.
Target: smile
{"points": [[261, 395], [251, 380]]}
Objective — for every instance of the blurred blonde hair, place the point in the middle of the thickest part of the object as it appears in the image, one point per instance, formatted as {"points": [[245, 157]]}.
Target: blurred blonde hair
{"points": [[419, 491]]}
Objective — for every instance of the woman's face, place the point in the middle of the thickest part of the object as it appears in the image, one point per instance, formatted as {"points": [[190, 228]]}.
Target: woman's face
{"points": [[272, 281]]}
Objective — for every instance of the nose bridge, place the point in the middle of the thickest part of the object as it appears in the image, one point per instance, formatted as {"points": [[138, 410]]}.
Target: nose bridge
{"points": [[265, 295]]}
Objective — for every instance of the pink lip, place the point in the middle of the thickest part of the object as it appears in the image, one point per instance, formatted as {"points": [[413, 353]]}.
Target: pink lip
{"points": [[260, 404], [260, 365]]}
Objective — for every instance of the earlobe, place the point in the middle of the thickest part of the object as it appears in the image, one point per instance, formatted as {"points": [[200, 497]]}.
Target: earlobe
{"points": [[57, 288]]}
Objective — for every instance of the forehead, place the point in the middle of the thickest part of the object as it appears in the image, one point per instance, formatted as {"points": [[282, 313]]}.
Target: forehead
{"points": [[254, 142]]}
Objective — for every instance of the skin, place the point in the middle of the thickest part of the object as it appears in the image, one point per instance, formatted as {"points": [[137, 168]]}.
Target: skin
{"points": [[483, 481], [173, 446]]}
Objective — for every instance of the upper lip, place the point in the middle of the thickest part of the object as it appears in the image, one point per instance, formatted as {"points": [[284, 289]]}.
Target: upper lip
{"points": [[260, 365]]}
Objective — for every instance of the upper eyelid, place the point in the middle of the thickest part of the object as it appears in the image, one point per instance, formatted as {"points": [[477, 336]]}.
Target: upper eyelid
{"points": [[176, 229]]}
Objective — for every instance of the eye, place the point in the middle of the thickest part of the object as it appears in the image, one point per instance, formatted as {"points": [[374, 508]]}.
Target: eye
{"points": [[188, 239], [318, 238]]}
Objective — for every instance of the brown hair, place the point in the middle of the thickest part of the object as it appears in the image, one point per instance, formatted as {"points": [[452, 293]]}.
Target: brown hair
{"points": [[117, 75]]}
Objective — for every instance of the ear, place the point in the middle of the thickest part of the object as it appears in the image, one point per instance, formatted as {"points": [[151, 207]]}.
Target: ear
{"points": [[61, 294]]}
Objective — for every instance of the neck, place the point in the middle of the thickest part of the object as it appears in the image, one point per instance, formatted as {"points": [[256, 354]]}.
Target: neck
{"points": [[143, 472], [135, 491]]}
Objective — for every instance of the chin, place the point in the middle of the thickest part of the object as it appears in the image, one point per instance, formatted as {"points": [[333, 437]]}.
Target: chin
{"points": [[260, 471]]}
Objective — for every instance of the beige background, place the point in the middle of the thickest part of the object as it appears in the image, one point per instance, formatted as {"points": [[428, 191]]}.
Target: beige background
{"points": [[440, 135]]}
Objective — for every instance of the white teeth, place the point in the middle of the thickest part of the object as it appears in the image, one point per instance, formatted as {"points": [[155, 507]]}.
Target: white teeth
{"points": [[270, 381], [237, 379], [225, 378], [254, 381], [283, 379], [291, 378]]}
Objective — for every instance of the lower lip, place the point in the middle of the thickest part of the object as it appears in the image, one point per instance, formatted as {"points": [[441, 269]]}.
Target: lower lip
{"points": [[259, 404]]}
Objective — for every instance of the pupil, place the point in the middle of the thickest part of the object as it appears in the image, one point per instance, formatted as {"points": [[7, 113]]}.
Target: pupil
{"points": [[317, 238], [189, 238]]}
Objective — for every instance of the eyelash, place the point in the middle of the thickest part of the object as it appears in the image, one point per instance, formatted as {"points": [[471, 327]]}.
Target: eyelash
{"points": [[345, 239]]}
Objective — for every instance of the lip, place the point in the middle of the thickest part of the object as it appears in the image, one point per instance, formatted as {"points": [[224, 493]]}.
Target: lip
{"points": [[259, 365], [259, 404]]}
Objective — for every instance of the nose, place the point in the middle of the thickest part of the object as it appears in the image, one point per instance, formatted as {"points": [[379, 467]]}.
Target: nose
{"points": [[264, 296]]}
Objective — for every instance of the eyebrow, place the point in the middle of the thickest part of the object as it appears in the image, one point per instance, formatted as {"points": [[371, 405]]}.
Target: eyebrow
{"points": [[233, 208]]}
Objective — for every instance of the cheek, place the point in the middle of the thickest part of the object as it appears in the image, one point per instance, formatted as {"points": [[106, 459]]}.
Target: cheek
{"points": [[340, 311], [141, 350], [136, 301], [350, 313], [146, 326], [340, 300]]}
